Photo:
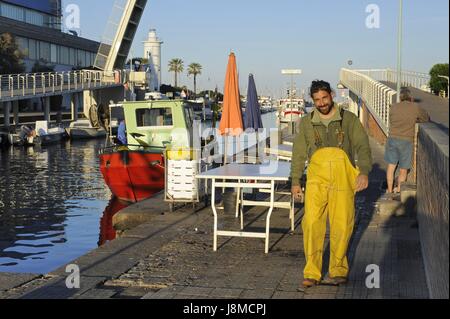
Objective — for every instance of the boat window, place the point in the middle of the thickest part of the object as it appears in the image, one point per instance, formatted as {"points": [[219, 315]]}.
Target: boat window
{"points": [[154, 117]]}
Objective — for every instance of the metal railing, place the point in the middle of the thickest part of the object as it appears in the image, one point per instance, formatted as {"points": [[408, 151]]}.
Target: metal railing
{"points": [[32, 84], [377, 96], [413, 79]]}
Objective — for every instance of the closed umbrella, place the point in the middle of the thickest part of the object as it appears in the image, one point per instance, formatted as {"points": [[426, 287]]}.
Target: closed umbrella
{"points": [[231, 123], [253, 119]]}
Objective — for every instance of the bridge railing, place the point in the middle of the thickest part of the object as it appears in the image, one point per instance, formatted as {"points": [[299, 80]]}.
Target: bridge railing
{"points": [[377, 96], [414, 79], [31, 84]]}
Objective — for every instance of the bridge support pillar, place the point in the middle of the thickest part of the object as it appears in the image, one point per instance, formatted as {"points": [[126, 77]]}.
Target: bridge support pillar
{"points": [[353, 107], [74, 105], [47, 109], [15, 107], [89, 99], [6, 114]]}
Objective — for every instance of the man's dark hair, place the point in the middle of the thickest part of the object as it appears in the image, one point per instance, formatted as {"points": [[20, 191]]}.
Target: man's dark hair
{"points": [[319, 85], [405, 94]]}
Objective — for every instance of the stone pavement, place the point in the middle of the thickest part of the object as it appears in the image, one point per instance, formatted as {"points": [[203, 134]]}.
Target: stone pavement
{"points": [[171, 257]]}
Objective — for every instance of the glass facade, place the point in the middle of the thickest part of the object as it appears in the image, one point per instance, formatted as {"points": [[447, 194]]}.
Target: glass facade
{"points": [[29, 16], [28, 12], [57, 54]]}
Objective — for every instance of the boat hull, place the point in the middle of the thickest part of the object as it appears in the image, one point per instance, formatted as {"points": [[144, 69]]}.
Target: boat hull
{"points": [[291, 116], [51, 138], [85, 133], [133, 176]]}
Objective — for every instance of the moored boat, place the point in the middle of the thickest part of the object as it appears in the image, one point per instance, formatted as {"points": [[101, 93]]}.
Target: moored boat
{"points": [[46, 135], [291, 110], [135, 171], [82, 129]]}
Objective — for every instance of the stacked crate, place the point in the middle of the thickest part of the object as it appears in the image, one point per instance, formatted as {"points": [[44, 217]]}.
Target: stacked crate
{"points": [[181, 181]]}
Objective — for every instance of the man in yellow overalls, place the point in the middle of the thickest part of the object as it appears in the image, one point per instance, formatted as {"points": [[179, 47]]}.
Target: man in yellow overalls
{"points": [[331, 140]]}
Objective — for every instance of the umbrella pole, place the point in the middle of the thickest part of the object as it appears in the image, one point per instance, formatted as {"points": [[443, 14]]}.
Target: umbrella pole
{"points": [[257, 147], [225, 156], [238, 148]]}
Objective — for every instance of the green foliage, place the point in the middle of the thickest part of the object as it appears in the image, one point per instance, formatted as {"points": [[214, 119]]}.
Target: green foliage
{"points": [[10, 55], [176, 66], [214, 95], [195, 69], [438, 84]]}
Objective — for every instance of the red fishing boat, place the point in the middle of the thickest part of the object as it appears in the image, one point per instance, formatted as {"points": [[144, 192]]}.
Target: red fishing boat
{"points": [[132, 175], [135, 172]]}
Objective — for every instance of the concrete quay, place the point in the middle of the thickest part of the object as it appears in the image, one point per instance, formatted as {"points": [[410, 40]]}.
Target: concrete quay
{"points": [[170, 256]]}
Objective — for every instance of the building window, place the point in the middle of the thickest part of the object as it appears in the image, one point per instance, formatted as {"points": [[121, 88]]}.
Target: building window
{"points": [[44, 49], [29, 16], [73, 56], [35, 18], [12, 12], [23, 45], [32, 49], [54, 53], [64, 55], [81, 58]]}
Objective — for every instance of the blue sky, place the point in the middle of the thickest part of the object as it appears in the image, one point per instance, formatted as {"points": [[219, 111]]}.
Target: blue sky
{"points": [[318, 37]]}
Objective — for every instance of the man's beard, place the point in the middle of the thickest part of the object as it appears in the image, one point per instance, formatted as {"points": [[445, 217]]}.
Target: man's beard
{"points": [[325, 110]]}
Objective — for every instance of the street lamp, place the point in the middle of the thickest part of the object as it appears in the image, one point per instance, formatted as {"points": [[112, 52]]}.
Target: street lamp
{"points": [[445, 77], [399, 49]]}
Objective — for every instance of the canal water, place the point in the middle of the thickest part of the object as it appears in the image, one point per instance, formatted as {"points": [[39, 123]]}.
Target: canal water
{"points": [[52, 200], [54, 205]]}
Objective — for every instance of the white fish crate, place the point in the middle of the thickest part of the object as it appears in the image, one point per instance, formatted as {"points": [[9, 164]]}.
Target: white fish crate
{"points": [[181, 184]]}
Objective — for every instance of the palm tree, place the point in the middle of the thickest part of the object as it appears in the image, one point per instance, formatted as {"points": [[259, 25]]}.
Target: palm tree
{"points": [[176, 66], [195, 69]]}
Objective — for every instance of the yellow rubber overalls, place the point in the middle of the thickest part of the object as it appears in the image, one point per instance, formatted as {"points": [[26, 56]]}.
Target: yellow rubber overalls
{"points": [[330, 192]]}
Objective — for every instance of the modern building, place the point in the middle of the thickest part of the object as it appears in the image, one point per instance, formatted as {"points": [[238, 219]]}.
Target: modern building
{"points": [[37, 27]]}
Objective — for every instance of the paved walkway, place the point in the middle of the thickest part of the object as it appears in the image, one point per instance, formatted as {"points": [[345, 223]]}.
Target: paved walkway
{"points": [[171, 258]]}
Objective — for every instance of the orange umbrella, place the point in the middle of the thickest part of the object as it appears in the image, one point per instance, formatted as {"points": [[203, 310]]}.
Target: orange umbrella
{"points": [[231, 123]]}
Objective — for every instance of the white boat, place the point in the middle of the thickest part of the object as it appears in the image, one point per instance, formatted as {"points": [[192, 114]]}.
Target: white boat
{"points": [[82, 129], [291, 110], [156, 96], [46, 135]]}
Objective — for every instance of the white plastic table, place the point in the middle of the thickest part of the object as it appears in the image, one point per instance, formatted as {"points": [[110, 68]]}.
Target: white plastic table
{"points": [[282, 151], [255, 176]]}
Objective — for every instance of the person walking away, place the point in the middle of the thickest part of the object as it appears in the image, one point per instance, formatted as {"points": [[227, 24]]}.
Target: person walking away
{"points": [[403, 117], [330, 139]]}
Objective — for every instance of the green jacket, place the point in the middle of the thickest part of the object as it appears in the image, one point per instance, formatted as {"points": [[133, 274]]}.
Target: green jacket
{"points": [[356, 142]]}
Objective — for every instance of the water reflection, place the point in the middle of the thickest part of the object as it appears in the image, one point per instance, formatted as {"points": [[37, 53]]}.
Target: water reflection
{"points": [[51, 201], [107, 232]]}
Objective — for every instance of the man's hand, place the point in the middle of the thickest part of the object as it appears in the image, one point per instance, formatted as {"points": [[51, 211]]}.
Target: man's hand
{"points": [[362, 182], [297, 193]]}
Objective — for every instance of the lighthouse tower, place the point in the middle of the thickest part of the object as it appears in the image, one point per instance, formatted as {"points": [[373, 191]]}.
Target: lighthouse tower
{"points": [[152, 51]]}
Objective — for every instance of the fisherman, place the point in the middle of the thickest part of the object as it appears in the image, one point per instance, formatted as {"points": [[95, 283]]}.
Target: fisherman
{"points": [[122, 133], [330, 139]]}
